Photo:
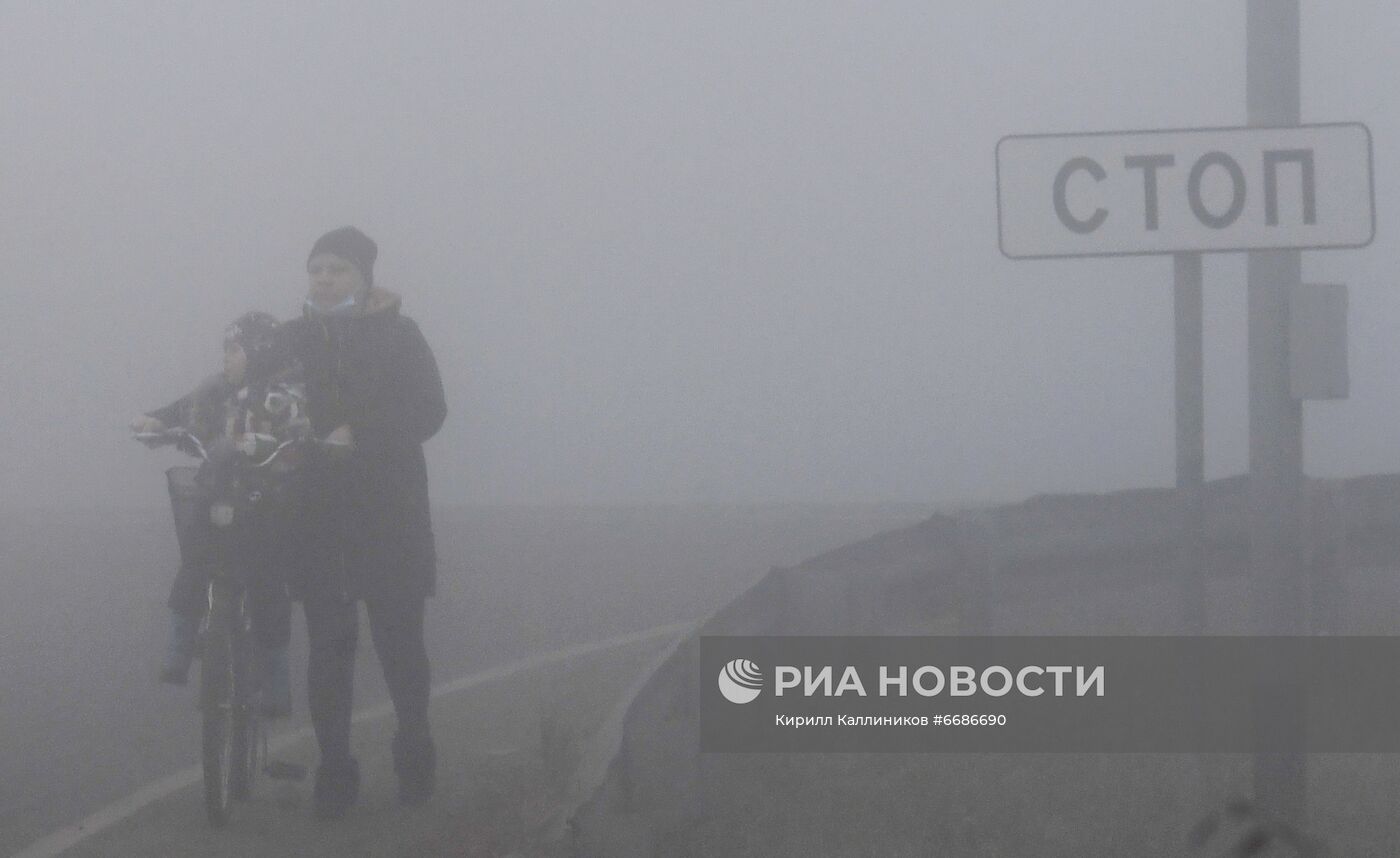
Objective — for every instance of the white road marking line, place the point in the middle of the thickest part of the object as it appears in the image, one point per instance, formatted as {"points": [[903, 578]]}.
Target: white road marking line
{"points": [[66, 838]]}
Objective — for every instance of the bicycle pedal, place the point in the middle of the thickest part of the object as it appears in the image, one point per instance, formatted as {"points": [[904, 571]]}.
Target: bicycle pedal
{"points": [[281, 770]]}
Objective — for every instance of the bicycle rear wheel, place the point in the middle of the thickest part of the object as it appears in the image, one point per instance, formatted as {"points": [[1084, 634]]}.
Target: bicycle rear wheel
{"points": [[216, 690]]}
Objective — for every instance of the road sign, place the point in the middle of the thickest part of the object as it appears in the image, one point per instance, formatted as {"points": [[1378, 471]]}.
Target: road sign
{"points": [[1302, 187], [1317, 341]]}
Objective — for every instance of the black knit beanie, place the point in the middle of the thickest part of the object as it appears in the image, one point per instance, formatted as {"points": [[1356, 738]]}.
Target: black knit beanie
{"points": [[350, 244]]}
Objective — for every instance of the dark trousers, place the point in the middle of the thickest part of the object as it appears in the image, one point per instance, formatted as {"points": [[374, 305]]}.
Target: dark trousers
{"points": [[332, 628]]}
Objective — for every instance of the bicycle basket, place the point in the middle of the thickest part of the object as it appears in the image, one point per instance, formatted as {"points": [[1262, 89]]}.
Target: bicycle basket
{"points": [[189, 502]]}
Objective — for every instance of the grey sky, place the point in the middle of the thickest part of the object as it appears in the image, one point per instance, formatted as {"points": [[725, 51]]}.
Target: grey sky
{"points": [[663, 251]]}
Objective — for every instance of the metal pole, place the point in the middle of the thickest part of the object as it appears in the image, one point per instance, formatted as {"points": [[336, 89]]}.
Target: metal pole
{"points": [[1190, 435], [1275, 418]]}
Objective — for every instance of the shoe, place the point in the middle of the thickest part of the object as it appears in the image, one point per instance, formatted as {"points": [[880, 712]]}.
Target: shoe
{"points": [[179, 650], [415, 762], [275, 682], [337, 788]]}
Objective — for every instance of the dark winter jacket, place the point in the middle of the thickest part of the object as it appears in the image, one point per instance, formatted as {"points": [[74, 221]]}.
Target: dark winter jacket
{"points": [[367, 513]]}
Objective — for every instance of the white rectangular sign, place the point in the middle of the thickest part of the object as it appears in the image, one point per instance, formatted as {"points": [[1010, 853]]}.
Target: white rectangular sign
{"points": [[1305, 187]]}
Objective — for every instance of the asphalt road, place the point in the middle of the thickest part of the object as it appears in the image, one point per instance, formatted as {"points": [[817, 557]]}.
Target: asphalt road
{"points": [[509, 739], [82, 622]]}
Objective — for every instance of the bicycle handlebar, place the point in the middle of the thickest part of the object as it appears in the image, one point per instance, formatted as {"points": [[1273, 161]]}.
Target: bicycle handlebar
{"points": [[180, 436], [175, 435]]}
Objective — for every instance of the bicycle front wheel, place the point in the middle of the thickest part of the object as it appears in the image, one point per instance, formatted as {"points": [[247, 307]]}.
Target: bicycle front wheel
{"points": [[217, 702], [247, 747]]}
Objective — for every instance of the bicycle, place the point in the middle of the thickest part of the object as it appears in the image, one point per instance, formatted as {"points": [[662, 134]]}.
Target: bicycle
{"points": [[234, 738]]}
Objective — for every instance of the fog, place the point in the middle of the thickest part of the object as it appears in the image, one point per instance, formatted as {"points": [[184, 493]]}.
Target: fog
{"points": [[674, 260], [663, 252]]}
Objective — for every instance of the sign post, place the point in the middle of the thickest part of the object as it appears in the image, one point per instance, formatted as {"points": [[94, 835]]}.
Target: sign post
{"points": [[1271, 189], [1188, 303], [1275, 418]]}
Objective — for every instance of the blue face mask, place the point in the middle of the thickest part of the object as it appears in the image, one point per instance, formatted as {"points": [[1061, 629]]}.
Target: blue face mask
{"points": [[344, 308]]}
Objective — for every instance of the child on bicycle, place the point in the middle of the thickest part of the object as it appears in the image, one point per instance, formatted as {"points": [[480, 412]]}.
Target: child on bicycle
{"points": [[259, 393]]}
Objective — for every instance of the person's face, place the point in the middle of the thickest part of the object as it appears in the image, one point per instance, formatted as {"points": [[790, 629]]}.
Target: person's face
{"points": [[331, 279], [235, 362]]}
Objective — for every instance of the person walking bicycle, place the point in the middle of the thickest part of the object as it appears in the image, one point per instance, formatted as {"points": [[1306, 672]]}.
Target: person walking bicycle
{"points": [[373, 389]]}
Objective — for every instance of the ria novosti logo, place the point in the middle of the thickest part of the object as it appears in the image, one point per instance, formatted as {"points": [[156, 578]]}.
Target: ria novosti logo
{"points": [[740, 681]]}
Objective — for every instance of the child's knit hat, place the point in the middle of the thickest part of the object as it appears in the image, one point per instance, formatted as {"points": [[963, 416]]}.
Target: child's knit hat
{"points": [[262, 342]]}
